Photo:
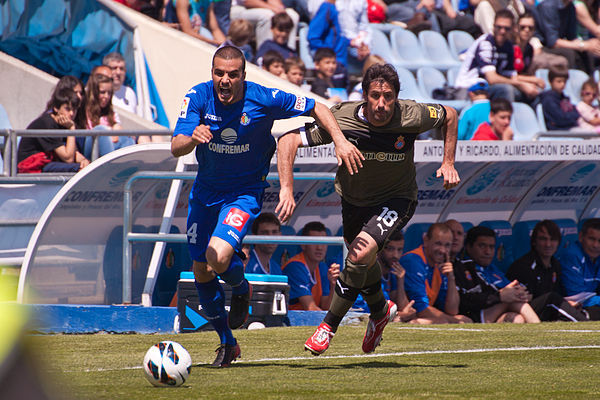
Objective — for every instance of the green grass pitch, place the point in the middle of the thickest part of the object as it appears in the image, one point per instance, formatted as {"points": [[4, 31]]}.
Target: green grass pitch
{"points": [[545, 361]]}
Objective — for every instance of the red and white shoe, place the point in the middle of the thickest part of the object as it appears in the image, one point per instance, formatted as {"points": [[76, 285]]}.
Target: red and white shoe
{"points": [[375, 328], [319, 341]]}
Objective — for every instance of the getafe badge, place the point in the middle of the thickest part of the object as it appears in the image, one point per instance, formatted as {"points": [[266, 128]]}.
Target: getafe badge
{"points": [[400, 142], [245, 120]]}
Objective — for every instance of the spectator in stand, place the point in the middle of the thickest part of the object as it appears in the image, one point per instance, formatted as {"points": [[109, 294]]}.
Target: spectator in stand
{"points": [[281, 26], [193, 14], [485, 293], [53, 153], [103, 70], [589, 113], [557, 29], [325, 65], [73, 83], [458, 239], [492, 57], [477, 113], [259, 13], [273, 62], [499, 126], [529, 51], [404, 11], [539, 271], [123, 95], [260, 259], [580, 269], [486, 10], [353, 20], [311, 280], [240, 34], [559, 112], [430, 280], [324, 31], [295, 70]]}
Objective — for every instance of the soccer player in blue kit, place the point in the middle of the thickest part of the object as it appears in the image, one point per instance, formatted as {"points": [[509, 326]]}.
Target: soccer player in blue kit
{"points": [[228, 123]]}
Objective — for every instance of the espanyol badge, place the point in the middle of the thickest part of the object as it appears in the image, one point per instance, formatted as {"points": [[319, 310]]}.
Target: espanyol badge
{"points": [[399, 142], [245, 120]]}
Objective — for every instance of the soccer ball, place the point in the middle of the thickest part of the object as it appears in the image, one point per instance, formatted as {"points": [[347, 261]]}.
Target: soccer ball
{"points": [[167, 364]]}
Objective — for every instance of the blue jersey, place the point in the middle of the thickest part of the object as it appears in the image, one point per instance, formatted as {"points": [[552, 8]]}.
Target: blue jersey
{"points": [[255, 267], [239, 154]]}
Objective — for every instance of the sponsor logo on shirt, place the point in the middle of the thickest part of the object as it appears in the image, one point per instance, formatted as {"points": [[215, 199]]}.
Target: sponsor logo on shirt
{"points": [[184, 107], [236, 218], [300, 103], [211, 117], [233, 235], [381, 156], [245, 120], [228, 149], [228, 135]]}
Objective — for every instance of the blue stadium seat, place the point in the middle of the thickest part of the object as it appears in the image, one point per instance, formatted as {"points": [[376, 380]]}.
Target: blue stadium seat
{"points": [[413, 236], [504, 252], [524, 122], [380, 45], [407, 50], [304, 48], [539, 111], [573, 89], [409, 89], [285, 251], [436, 49], [521, 237], [459, 42], [568, 230], [429, 79], [451, 75], [543, 74]]}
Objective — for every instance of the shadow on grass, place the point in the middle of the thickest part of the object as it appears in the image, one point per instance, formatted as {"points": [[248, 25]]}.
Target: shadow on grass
{"points": [[364, 365]]}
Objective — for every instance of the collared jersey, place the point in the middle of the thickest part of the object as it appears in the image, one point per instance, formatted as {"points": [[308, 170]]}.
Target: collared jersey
{"points": [[240, 152], [255, 267], [531, 272], [579, 274], [388, 169], [305, 283]]}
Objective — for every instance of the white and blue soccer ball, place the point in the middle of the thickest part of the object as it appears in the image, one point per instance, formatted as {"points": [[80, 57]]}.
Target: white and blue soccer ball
{"points": [[167, 364]]}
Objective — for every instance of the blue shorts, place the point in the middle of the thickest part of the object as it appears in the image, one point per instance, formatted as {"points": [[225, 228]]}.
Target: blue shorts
{"points": [[228, 216]]}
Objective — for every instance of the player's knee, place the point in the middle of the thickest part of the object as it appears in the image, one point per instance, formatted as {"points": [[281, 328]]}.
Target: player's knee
{"points": [[202, 272], [354, 274], [217, 259]]}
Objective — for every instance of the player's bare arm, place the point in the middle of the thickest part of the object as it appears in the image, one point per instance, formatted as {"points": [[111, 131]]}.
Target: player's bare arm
{"points": [[287, 146], [345, 151], [182, 144], [447, 170]]}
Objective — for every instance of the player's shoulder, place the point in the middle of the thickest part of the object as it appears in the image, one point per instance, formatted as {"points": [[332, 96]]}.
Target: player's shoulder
{"points": [[200, 90]]}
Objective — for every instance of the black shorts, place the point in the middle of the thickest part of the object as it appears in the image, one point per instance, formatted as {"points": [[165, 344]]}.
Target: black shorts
{"points": [[378, 221]]}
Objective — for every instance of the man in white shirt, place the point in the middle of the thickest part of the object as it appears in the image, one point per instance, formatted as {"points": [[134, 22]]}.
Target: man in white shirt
{"points": [[123, 96]]}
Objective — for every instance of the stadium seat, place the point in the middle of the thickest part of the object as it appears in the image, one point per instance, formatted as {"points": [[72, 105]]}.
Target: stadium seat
{"points": [[429, 79], [521, 237], [413, 236], [304, 48], [4, 124], [458, 42], [539, 111], [409, 89], [568, 230], [573, 88], [504, 256], [407, 50], [285, 251], [524, 122], [451, 75], [543, 74], [380, 45], [436, 48]]}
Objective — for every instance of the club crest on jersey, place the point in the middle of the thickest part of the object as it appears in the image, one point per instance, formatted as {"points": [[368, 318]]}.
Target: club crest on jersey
{"points": [[245, 120], [236, 218], [400, 142], [229, 136], [468, 275], [184, 107]]}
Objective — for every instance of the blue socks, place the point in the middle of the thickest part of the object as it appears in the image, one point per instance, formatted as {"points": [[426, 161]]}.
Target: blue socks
{"points": [[212, 300], [234, 276]]}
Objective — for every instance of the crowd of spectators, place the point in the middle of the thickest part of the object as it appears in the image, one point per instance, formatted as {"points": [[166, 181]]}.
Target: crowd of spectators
{"points": [[451, 277]]}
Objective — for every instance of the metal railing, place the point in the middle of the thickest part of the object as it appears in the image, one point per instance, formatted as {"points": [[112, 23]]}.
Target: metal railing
{"points": [[129, 237], [566, 135], [10, 146]]}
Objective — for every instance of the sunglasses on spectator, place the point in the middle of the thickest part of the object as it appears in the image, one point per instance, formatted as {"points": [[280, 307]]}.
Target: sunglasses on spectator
{"points": [[526, 27], [503, 28]]}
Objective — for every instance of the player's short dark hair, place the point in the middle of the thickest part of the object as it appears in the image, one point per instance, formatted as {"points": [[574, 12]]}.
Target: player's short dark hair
{"points": [[229, 52], [272, 57], [477, 231], [550, 226], [292, 62], [396, 235], [438, 226], [383, 73], [557, 72], [505, 13], [592, 223], [64, 96], [264, 218], [282, 21], [323, 52], [498, 105], [313, 226]]}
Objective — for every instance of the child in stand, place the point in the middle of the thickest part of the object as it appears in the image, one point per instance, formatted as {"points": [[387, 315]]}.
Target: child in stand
{"points": [[281, 26], [559, 113], [325, 65], [273, 62], [295, 70], [589, 113], [240, 34], [499, 126]]}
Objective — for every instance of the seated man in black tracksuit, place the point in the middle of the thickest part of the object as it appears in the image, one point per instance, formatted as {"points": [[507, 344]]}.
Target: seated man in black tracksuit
{"points": [[480, 299], [539, 271]]}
